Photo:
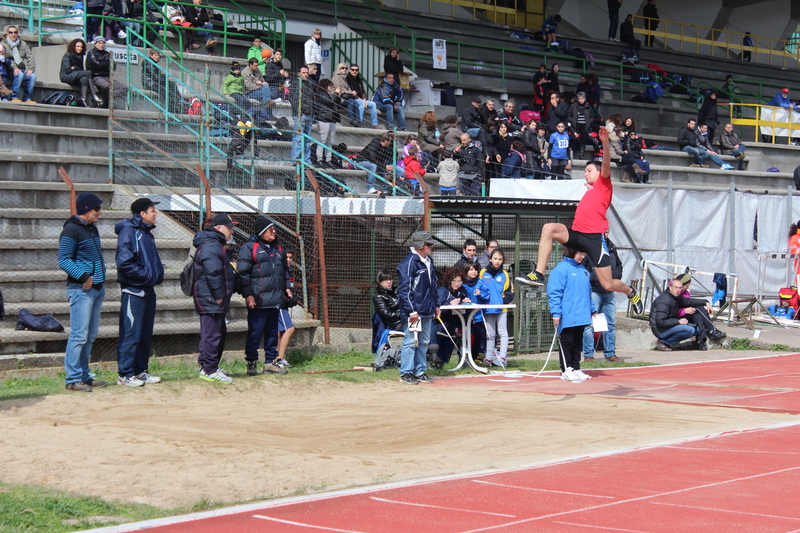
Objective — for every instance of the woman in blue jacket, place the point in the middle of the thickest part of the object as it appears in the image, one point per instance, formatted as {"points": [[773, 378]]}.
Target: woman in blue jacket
{"points": [[515, 162], [501, 291], [569, 293], [478, 292]]}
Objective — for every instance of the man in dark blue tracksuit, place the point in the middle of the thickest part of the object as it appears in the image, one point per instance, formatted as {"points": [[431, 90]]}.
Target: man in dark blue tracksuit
{"points": [[266, 285], [212, 290], [139, 270], [418, 303]]}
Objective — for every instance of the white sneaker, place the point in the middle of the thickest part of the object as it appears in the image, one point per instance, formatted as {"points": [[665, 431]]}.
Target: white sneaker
{"points": [[130, 381], [570, 375], [148, 378], [121, 34], [581, 374], [109, 41], [219, 376], [372, 191]]}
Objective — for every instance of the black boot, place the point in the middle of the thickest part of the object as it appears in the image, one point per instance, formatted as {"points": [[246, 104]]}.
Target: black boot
{"points": [[581, 151], [84, 94], [96, 98]]}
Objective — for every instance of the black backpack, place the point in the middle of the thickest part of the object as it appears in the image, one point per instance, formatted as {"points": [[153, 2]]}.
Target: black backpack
{"points": [[60, 98], [29, 321], [187, 277]]}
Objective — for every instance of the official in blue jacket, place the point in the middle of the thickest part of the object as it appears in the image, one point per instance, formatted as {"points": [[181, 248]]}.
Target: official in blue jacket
{"points": [[569, 293], [418, 303], [264, 273], [139, 270], [213, 287]]}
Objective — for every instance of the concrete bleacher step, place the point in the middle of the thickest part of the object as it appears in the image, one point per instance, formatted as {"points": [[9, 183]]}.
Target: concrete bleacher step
{"points": [[24, 114], [46, 139], [35, 195]]}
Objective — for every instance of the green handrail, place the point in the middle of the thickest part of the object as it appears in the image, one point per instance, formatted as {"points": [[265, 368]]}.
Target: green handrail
{"points": [[276, 9], [29, 5]]}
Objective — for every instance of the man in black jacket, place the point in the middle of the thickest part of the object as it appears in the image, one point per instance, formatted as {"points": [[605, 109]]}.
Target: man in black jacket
{"points": [[264, 273], [139, 270], [377, 158], [276, 74], [212, 290], [664, 321], [472, 119], [689, 143], [605, 302], [470, 171], [468, 253], [199, 18]]}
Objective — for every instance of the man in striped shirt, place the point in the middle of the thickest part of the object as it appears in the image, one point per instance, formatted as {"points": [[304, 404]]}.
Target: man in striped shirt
{"points": [[81, 257]]}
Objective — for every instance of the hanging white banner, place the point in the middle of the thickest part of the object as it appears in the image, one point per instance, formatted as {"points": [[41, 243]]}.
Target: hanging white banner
{"points": [[440, 54]]}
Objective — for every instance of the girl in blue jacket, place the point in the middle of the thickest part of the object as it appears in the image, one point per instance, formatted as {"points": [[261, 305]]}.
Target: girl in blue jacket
{"points": [[452, 292], [559, 159], [501, 291], [569, 293], [478, 293]]}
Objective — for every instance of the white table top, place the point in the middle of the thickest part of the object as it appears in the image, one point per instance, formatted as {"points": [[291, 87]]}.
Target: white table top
{"points": [[478, 306]]}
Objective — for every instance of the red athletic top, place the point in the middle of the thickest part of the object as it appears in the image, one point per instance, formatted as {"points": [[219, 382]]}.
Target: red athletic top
{"points": [[590, 216]]}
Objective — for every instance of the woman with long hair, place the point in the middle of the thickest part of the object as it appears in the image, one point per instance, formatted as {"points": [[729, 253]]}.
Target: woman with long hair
{"points": [[73, 72], [329, 102], [428, 143], [794, 245]]}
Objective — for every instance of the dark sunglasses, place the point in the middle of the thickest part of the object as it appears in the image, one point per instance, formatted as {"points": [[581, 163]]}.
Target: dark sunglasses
{"points": [[354, 69], [13, 32]]}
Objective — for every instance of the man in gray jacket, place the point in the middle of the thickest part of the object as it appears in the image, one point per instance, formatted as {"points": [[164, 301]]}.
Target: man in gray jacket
{"points": [[23, 65]]}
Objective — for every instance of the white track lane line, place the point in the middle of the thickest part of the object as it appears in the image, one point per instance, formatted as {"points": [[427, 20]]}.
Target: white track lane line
{"points": [[262, 517], [599, 527], [724, 510], [541, 490], [631, 500], [440, 507], [678, 447]]}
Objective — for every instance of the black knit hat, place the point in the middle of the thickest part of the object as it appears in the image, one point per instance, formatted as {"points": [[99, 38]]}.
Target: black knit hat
{"points": [[262, 225], [87, 201], [142, 204]]}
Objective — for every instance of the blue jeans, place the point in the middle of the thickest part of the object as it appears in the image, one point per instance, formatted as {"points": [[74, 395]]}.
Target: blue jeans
{"points": [[740, 150], [613, 24], [676, 334], [136, 27], [604, 303], [15, 82], [306, 123], [717, 160], [412, 359], [388, 110], [262, 94], [136, 319], [262, 322], [84, 322], [355, 110], [699, 154]]}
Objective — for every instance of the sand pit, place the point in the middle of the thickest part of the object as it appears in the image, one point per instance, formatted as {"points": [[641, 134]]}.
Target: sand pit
{"points": [[180, 442]]}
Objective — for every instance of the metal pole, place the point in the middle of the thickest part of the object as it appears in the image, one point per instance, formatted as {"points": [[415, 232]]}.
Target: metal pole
{"points": [[732, 224], [670, 221]]}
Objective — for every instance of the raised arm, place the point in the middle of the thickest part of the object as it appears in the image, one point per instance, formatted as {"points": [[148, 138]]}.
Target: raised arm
{"points": [[605, 169]]}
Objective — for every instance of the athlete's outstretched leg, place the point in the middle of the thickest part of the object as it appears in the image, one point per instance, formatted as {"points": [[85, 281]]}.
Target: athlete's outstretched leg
{"points": [[615, 285], [552, 231]]}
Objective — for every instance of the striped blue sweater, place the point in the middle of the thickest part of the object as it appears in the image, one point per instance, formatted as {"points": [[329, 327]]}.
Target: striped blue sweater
{"points": [[79, 252]]}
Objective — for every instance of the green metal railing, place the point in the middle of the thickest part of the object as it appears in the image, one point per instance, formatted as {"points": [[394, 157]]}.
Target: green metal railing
{"points": [[272, 27]]}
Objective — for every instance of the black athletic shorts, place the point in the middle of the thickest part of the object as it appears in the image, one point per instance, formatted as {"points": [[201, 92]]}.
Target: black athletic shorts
{"points": [[594, 244]]}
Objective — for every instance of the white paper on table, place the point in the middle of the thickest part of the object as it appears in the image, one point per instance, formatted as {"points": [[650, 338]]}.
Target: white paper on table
{"points": [[599, 323]]}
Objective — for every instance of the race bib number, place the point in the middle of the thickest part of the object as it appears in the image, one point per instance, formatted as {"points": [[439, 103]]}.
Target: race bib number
{"points": [[563, 143]]}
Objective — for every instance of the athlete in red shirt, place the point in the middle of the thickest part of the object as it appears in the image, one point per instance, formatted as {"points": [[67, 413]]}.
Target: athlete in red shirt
{"points": [[588, 230]]}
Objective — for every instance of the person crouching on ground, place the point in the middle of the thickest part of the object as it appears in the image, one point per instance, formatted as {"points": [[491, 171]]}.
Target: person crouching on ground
{"points": [[665, 324], [698, 316], [569, 293]]}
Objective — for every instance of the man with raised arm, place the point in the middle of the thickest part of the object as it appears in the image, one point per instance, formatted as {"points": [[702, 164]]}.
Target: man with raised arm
{"points": [[588, 230]]}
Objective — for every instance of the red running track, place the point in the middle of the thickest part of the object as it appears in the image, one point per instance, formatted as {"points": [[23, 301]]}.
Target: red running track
{"points": [[763, 383], [737, 482], [742, 481]]}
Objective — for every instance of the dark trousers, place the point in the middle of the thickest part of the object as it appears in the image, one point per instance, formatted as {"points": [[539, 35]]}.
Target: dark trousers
{"points": [[136, 318], [571, 344], [478, 338], [613, 24], [262, 322], [650, 25], [212, 341], [701, 319], [446, 346]]}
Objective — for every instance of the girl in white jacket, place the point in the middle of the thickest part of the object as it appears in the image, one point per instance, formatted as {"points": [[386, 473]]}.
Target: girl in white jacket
{"points": [[313, 53]]}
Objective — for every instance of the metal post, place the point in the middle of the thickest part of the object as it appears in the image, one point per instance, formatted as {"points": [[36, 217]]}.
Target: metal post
{"points": [[732, 224], [670, 221]]}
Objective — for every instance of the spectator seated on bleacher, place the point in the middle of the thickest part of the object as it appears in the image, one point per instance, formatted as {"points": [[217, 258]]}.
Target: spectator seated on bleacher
{"points": [[689, 143], [256, 52], [233, 86], [705, 143], [132, 11], [633, 158], [256, 87], [430, 146], [488, 112], [23, 66], [199, 18], [389, 99], [472, 119], [276, 74], [6, 71], [377, 158], [154, 79], [359, 100], [731, 145], [507, 115], [451, 133], [627, 36], [616, 149], [98, 62], [549, 30], [73, 73]]}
